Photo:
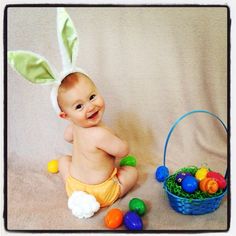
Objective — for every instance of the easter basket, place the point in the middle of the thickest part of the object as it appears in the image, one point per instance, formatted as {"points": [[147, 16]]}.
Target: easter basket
{"points": [[186, 203]]}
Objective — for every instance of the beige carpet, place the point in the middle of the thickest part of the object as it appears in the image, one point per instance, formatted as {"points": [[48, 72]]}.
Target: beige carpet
{"points": [[151, 65], [37, 201]]}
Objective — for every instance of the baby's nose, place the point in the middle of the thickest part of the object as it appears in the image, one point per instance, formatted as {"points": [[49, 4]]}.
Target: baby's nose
{"points": [[90, 106]]}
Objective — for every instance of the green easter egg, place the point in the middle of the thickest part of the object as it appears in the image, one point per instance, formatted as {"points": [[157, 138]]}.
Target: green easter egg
{"points": [[128, 161], [137, 205]]}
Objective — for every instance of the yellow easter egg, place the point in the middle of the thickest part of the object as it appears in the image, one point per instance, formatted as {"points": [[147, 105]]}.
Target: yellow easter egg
{"points": [[53, 166], [201, 173]]}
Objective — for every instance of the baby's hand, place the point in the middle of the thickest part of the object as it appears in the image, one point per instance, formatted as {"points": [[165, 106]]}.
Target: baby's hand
{"points": [[68, 134]]}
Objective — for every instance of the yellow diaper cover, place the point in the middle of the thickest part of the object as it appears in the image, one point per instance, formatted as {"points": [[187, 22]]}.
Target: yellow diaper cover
{"points": [[105, 193]]}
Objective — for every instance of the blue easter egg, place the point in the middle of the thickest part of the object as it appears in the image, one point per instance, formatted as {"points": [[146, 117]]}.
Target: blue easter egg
{"points": [[133, 221], [162, 173], [180, 177], [189, 184]]}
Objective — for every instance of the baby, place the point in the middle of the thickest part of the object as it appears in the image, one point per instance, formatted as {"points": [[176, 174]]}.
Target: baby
{"points": [[91, 168]]}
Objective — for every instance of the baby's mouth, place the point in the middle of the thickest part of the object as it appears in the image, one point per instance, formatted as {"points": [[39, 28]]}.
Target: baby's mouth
{"points": [[94, 115]]}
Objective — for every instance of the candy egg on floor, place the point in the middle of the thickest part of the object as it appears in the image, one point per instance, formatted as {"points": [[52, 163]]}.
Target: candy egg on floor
{"points": [[189, 184], [219, 179], [162, 172], [137, 205], [53, 166], [133, 221], [128, 161], [209, 185], [201, 173], [113, 218], [180, 176]]}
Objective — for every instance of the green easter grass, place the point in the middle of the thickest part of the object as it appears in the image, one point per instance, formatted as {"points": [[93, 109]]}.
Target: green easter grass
{"points": [[177, 190]]}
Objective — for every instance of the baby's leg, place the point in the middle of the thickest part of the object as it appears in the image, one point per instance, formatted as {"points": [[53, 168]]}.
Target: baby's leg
{"points": [[127, 176], [64, 166]]}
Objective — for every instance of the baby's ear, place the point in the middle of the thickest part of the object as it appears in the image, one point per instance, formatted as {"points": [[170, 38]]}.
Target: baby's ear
{"points": [[63, 115]]}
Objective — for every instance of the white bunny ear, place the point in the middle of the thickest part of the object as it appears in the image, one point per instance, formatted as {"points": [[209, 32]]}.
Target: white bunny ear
{"points": [[32, 67], [67, 38]]}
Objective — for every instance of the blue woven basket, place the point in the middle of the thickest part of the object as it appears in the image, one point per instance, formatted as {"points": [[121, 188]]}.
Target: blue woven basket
{"points": [[192, 206]]}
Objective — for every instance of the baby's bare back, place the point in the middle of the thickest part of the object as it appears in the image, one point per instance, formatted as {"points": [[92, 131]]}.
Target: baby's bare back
{"points": [[90, 164]]}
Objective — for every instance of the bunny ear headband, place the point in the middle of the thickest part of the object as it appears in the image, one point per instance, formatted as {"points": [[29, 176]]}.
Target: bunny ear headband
{"points": [[37, 69]]}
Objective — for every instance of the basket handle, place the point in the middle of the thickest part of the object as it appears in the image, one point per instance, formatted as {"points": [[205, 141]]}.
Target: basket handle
{"points": [[181, 118]]}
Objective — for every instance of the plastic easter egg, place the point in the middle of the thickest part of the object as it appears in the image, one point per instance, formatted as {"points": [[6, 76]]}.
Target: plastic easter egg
{"points": [[189, 184], [219, 179], [137, 205], [201, 173], [180, 177], [128, 161], [133, 221], [162, 173], [53, 166], [209, 185], [113, 218]]}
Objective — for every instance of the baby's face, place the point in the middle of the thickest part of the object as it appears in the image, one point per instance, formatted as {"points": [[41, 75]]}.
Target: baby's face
{"points": [[82, 104]]}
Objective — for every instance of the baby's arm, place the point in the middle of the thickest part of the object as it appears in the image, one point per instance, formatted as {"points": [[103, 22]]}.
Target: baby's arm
{"points": [[68, 134], [111, 144]]}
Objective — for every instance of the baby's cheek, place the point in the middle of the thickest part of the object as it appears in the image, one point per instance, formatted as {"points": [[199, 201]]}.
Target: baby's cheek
{"points": [[102, 103], [81, 117]]}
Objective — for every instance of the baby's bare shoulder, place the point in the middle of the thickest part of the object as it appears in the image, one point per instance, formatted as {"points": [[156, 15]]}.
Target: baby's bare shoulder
{"points": [[101, 134], [100, 131], [68, 133]]}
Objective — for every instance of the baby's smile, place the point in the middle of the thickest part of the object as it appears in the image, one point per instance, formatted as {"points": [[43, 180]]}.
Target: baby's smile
{"points": [[93, 116]]}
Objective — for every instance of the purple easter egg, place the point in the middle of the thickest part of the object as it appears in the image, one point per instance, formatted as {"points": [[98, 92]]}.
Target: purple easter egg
{"points": [[133, 221], [180, 177]]}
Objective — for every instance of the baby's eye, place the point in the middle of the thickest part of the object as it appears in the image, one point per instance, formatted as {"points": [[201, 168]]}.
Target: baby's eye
{"points": [[79, 107], [92, 97]]}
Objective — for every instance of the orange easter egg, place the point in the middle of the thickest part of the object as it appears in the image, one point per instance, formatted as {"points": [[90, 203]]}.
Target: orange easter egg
{"points": [[113, 218], [202, 184], [209, 185]]}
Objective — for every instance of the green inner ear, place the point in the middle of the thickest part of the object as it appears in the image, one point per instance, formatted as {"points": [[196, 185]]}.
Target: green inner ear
{"points": [[31, 66], [67, 32], [69, 38]]}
